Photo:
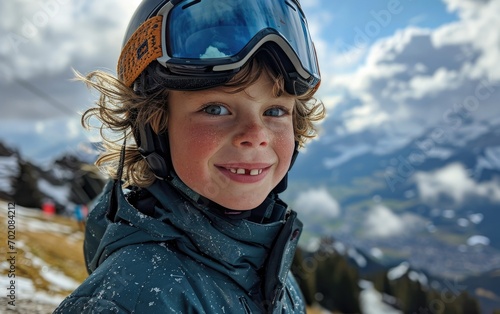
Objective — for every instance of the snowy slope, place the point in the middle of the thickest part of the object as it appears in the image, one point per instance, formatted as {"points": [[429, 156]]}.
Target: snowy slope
{"points": [[8, 169]]}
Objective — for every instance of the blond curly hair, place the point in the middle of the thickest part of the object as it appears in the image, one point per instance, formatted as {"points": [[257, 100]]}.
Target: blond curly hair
{"points": [[120, 109]]}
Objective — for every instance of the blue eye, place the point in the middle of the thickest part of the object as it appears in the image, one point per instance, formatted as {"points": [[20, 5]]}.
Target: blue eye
{"points": [[216, 110], [275, 112]]}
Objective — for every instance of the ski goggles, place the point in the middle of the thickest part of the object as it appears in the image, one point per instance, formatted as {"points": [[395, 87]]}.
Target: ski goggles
{"points": [[213, 38]]}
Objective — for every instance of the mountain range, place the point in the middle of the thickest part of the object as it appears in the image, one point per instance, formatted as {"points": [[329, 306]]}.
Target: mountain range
{"points": [[66, 181], [431, 201]]}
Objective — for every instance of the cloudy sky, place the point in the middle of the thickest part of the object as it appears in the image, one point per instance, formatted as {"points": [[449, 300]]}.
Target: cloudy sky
{"points": [[397, 65], [427, 71]]}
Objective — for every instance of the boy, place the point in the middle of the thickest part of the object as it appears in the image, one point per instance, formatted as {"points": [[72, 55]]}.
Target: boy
{"points": [[216, 97]]}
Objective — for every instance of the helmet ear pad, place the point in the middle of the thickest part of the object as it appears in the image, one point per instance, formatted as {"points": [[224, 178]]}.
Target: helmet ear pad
{"points": [[155, 149]]}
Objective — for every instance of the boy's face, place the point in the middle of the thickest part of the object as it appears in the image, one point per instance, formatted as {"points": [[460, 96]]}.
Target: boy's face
{"points": [[232, 148]]}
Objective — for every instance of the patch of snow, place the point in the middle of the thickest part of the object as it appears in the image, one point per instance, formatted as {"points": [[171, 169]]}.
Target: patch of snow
{"points": [[357, 257], [31, 222], [25, 289], [376, 252], [9, 168], [417, 276], [45, 226], [339, 247], [26, 212], [58, 280], [398, 271], [371, 300], [57, 193], [61, 173]]}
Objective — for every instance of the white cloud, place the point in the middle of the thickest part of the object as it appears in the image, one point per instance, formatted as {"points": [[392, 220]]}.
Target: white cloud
{"points": [[382, 222], [49, 36], [317, 202], [411, 81], [466, 8], [41, 42], [454, 181]]}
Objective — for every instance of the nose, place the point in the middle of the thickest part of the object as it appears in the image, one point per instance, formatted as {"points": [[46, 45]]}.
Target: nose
{"points": [[251, 133]]}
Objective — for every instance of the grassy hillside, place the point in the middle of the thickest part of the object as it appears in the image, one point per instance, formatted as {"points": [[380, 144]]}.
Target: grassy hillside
{"points": [[45, 255]]}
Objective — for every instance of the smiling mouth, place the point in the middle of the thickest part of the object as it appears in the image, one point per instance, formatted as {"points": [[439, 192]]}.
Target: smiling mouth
{"points": [[241, 171]]}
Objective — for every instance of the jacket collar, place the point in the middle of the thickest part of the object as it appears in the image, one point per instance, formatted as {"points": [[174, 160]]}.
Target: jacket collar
{"points": [[240, 246]]}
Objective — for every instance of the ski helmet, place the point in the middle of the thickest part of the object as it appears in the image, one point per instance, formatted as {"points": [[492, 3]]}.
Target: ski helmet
{"points": [[203, 43]]}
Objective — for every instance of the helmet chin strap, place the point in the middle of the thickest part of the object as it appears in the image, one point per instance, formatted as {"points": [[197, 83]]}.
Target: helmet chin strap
{"points": [[155, 149]]}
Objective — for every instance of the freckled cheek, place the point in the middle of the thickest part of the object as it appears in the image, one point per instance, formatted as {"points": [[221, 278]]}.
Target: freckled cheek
{"points": [[194, 147], [200, 139], [284, 147]]}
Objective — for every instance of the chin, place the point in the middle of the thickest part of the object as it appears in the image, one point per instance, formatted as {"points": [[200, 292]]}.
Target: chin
{"points": [[240, 205]]}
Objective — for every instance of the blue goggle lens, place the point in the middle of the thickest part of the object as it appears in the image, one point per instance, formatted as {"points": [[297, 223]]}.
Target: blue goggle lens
{"points": [[194, 34]]}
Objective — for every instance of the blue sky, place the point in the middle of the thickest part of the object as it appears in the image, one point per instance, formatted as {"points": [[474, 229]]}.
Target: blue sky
{"points": [[382, 62], [376, 18]]}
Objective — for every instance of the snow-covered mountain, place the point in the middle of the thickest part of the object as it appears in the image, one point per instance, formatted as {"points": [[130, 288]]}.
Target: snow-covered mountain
{"points": [[65, 181]]}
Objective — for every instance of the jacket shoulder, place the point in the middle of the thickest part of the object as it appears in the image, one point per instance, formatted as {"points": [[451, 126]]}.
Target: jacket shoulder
{"points": [[141, 278]]}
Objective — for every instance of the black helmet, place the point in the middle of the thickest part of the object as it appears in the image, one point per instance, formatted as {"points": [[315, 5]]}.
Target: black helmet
{"points": [[202, 44]]}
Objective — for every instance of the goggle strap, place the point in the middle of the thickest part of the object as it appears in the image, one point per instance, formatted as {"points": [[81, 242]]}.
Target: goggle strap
{"points": [[143, 47]]}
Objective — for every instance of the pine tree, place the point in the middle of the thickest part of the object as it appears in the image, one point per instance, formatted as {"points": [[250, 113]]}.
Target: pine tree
{"points": [[337, 282], [325, 284], [304, 268], [348, 290], [468, 304], [417, 297], [382, 283]]}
